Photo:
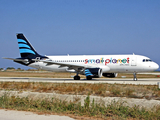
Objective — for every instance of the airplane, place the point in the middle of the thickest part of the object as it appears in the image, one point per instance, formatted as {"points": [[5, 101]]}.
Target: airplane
{"points": [[92, 66]]}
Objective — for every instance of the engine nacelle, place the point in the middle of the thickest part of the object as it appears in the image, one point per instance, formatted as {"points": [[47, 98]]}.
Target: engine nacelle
{"points": [[70, 70], [94, 72], [110, 75]]}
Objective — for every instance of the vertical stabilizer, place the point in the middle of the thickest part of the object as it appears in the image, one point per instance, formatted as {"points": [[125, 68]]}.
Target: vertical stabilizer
{"points": [[25, 48]]}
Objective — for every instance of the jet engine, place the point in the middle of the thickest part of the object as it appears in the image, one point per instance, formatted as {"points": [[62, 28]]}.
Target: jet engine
{"points": [[94, 72], [110, 75]]}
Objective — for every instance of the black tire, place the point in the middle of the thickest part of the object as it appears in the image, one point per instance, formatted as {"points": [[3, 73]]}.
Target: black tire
{"points": [[135, 79], [76, 77], [89, 78]]}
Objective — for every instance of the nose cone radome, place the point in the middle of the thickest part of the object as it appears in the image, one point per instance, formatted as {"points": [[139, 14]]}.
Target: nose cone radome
{"points": [[155, 66]]}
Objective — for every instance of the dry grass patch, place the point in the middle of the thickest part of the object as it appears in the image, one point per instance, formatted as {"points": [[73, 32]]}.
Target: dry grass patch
{"points": [[36, 74], [105, 90]]}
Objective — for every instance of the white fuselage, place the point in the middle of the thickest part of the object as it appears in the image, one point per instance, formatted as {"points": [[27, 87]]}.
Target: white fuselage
{"points": [[108, 63]]}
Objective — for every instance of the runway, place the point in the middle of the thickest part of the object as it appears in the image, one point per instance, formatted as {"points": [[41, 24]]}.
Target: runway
{"points": [[142, 81]]}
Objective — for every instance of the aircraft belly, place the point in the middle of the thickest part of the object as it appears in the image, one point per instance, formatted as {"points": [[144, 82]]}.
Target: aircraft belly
{"points": [[125, 69], [117, 68]]}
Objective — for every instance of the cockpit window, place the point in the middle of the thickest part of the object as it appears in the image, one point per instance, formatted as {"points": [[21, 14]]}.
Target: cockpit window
{"points": [[147, 60]]}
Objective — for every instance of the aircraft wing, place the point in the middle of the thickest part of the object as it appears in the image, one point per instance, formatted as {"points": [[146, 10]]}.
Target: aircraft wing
{"points": [[77, 67], [60, 63], [73, 66]]}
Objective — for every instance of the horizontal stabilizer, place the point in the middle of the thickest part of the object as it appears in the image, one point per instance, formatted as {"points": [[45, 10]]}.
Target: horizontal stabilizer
{"points": [[20, 60]]}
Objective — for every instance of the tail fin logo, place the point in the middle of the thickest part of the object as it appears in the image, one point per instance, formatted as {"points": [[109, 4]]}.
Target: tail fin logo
{"points": [[24, 47]]}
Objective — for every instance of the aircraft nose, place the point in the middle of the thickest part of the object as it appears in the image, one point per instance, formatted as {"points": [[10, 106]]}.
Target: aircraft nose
{"points": [[155, 66]]}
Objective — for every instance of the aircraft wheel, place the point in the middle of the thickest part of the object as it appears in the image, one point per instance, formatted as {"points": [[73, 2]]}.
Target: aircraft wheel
{"points": [[76, 77], [135, 79], [89, 78]]}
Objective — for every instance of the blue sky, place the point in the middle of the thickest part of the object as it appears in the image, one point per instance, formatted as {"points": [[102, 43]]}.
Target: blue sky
{"points": [[60, 27]]}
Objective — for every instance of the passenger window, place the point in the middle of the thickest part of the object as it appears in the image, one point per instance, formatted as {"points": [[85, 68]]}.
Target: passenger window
{"points": [[143, 60]]}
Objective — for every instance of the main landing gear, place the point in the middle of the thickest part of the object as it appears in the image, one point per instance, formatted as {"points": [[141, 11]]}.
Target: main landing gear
{"points": [[77, 77], [135, 77], [89, 77]]}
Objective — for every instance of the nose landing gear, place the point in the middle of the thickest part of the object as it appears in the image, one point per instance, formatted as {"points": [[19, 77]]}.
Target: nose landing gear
{"points": [[135, 77]]}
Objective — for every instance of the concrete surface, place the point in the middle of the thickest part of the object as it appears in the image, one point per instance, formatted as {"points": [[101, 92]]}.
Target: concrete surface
{"points": [[22, 115]]}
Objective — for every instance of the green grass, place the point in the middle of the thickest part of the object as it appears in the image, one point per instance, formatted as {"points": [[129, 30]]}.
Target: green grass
{"points": [[115, 110]]}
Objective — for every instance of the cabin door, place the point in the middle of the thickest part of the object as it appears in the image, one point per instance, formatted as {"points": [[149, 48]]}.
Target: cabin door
{"points": [[37, 62], [134, 61]]}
